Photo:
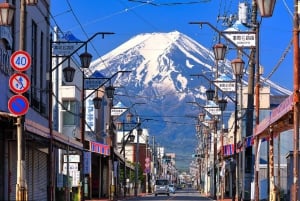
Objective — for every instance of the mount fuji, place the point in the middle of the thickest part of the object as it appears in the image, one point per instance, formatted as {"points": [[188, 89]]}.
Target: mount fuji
{"points": [[161, 66]]}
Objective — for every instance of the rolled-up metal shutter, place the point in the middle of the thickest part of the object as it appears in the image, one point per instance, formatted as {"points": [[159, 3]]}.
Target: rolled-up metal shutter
{"points": [[36, 162]]}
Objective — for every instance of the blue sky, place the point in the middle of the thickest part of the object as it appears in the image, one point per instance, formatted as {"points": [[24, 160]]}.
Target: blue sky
{"points": [[128, 18]]}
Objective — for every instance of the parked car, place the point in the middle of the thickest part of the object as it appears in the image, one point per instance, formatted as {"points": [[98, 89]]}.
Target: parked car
{"points": [[161, 187], [171, 188]]}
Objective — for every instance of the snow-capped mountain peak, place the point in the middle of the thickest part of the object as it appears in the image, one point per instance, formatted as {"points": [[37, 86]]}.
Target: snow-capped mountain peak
{"points": [[161, 66]]}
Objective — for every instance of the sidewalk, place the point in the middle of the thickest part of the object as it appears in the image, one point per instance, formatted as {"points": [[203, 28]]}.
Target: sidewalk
{"points": [[218, 198]]}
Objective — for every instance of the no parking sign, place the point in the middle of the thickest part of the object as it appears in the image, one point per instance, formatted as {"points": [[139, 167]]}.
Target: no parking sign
{"points": [[18, 105]]}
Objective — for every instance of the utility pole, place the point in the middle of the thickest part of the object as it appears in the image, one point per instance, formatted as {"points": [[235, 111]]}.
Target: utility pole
{"points": [[21, 187], [253, 66], [296, 101]]}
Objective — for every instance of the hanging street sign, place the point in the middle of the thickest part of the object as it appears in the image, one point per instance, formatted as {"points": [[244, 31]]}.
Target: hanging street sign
{"points": [[213, 108], [19, 83], [20, 60], [65, 48], [18, 105], [225, 83], [117, 111], [241, 39], [93, 83]]}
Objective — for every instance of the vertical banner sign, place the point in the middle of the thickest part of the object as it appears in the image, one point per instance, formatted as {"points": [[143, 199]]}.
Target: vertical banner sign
{"points": [[90, 113], [87, 162]]}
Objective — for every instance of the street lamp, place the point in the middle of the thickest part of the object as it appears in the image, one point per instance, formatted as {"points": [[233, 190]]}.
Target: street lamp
{"points": [[222, 104], [97, 101], [238, 68], [266, 7], [6, 14], [210, 93], [201, 116], [219, 51], [110, 90]]}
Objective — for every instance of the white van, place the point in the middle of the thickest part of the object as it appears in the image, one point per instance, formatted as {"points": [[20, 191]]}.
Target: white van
{"points": [[161, 187]]}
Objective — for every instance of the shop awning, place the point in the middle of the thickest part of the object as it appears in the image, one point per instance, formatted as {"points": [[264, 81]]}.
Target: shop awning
{"points": [[100, 148], [43, 131], [279, 119]]}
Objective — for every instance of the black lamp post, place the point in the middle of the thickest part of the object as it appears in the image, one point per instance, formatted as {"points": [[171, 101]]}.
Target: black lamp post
{"points": [[238, 68], [85, 59], [130, 138], [110, 90], [210, 93], [97, 101], [69, 73], [222, 105]]}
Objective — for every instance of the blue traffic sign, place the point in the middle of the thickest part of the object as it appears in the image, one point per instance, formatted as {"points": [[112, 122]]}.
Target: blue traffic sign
{"points": [[18, 105]]}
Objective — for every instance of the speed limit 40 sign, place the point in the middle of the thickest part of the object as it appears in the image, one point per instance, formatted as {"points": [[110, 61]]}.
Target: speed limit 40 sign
{"points": [[20, 60]]}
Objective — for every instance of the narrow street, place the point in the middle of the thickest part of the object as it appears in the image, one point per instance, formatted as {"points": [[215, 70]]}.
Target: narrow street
{"points": [[186, 194]]}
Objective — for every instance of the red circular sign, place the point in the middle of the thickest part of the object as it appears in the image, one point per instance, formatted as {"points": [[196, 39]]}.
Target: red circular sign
{"points": [[19, 82], [18, 105], [20, 60]]}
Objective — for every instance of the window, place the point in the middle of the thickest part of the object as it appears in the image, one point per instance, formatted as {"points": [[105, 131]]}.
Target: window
{"points": [[34, 72], [69, 111]]}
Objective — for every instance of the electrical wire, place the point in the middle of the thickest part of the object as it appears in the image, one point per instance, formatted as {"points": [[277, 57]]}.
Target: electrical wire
{"points": [[170, 3], [281, 59]]}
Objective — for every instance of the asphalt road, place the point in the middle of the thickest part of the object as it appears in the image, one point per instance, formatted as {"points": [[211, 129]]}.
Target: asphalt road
{"points": [[186, 194]]}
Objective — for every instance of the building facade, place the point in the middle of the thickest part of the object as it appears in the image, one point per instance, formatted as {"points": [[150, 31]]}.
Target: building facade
{"points": [[34, 125]]}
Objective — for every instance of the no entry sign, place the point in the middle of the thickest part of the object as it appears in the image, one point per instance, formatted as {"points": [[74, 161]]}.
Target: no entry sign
{"points": [[18, 105]]}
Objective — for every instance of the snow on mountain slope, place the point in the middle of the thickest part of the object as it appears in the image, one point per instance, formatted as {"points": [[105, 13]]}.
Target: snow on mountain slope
{"points": [[161, 66]]}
